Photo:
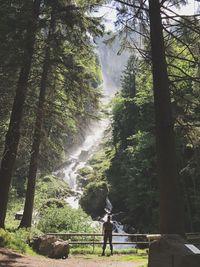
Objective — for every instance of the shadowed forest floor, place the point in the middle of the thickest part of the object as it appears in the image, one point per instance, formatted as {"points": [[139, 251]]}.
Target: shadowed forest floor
{"points": [[9, 258]]}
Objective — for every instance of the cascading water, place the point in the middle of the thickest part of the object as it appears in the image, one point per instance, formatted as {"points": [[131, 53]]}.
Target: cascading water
{"points": [[79, 158], [118, 228]]}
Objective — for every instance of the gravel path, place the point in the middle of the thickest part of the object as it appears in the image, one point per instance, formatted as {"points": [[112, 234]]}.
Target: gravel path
{"points": [[12, 259]]}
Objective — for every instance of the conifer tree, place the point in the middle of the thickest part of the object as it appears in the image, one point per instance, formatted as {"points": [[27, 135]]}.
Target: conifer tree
{"points": [[28, 208], [171, 214], [13, 133], [74, 21]]}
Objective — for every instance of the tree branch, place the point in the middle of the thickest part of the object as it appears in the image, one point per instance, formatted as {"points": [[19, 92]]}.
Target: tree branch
{"points": [[131, 5]]}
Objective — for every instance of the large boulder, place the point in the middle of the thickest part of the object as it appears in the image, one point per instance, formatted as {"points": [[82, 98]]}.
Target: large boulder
{"points": [[51, 247], [173, 251], [60, 249], [93, 200]]}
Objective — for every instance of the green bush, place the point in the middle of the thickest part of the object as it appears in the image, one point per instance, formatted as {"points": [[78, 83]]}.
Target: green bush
{"points": [[54, 202], [64, 219], [50, 190], [50, 186], [18, 240], [12, 240]]}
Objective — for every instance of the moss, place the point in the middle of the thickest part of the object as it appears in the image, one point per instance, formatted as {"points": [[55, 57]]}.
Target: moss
{"points": [[50, 186], [85, 171], [94, 198]]}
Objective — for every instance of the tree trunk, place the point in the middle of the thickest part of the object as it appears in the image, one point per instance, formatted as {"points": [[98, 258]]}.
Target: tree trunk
{"points": [[13, 133], [30, 192], [171, 211]]}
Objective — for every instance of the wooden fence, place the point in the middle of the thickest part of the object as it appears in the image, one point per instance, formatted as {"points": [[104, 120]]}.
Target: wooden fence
{"points": [[133, 239]]}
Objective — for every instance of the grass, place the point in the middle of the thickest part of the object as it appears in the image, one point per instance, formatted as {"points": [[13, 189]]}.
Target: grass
{"points": [[18, 240], [135, 258], [116, 257], [132, 257], [98, 250], [122, 255]]}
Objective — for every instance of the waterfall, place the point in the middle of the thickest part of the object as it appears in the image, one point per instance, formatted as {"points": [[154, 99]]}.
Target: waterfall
{"points": [[79, 158], [112, 66], [108, 207], [119, 229]]}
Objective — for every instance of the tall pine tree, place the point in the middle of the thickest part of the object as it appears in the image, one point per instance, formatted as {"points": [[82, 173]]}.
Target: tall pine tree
{"points": [[13, 133]]}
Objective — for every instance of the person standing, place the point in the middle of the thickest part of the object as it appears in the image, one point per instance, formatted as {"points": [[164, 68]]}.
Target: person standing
{"points": [[107, 234]]}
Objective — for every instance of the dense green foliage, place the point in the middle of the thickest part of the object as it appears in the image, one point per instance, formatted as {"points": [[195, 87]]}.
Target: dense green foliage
{"points": [[132, 173], [18, 240], [125, 167], [49, 190], [11, 240], [128, 153], [130, 160], [51, 213], [64, 219], [73, 80]]}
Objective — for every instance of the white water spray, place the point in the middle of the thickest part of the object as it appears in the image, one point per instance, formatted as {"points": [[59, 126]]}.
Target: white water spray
{"points": [[79, 158]]}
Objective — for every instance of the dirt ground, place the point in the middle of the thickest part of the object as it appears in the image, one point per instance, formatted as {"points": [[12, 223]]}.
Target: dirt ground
{"points": [[9, 258]]}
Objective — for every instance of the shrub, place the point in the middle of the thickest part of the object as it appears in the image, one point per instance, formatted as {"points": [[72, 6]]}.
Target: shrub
{"points": [[50, 187], [12, 240], [18, 240], [64, 220], [54, 202]]}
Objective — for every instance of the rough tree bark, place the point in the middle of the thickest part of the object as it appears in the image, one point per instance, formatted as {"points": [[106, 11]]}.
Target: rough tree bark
{"points": [[171, 214], [30, 192], [13, 133]]}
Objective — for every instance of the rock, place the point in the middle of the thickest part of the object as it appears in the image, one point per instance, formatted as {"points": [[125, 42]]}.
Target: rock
{"points": [[46, 245], [190, 261], [51, 247], [94, 197], [83, 155], [60, 174], [82, 181], [129, 229], [171, 251], [60, 250], [119, 216]]}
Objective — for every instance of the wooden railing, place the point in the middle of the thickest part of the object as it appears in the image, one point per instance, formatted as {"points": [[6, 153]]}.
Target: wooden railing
{"points": [[134, 239]]}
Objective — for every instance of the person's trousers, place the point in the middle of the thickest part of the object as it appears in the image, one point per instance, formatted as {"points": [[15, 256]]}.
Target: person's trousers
{"points": [[105, 239]]}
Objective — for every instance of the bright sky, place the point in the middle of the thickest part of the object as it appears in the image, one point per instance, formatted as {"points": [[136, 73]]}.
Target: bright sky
{"points": [[190, 8], [110, 13]]}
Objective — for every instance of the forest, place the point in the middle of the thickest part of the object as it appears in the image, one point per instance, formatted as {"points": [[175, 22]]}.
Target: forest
{"points": [[51, 88]]}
